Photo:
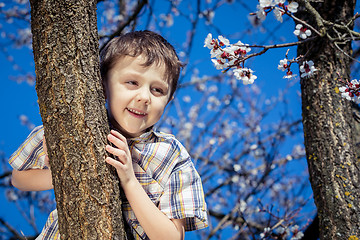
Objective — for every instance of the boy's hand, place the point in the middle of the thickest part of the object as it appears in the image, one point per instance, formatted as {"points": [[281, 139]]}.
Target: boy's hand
{"points": [[123, 164]]}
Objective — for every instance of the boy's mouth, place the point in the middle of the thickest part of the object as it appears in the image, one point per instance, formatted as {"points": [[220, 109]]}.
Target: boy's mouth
{"points": [[136, 112]]}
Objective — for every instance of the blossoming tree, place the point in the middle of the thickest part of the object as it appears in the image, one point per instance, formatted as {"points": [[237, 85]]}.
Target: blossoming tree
{"points": [[333, 165]]}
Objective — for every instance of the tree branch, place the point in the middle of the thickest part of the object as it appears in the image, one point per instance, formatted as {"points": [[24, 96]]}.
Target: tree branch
{"points": [[16, 234], [131, 18], [6, 174]]}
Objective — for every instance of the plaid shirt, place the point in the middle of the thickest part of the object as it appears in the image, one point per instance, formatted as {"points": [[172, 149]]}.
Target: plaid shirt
{"points": [[162, 166]]}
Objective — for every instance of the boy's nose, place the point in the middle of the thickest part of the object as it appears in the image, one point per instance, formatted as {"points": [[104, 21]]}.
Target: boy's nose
{"points": [[143, 96]]}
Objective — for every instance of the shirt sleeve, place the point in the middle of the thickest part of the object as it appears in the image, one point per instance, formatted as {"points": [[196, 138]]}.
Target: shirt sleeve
{"points": [[30, 154], [183, 197]]}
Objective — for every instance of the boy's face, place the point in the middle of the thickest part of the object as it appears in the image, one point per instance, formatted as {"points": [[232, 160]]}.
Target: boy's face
{"points": [[137, 95]]}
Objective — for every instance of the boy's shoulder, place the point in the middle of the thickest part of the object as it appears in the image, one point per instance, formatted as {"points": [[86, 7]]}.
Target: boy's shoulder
{"points": [[163, 135], [160, 136], [30, 154]]}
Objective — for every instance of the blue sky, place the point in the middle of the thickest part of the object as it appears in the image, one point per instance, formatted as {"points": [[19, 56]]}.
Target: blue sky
{"points": [[20, 99]]}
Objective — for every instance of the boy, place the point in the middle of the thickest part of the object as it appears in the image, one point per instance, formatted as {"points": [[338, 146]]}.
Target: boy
{"points": [[164, 195]]}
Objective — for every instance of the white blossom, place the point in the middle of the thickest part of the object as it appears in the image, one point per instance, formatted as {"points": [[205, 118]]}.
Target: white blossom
{"points": [[307, 69], [289, 75], [187, 99], [215, 53], [297, 234], [237, 167], [265, 232], [344, 93], [283, 231], [219, 63], [245, 74], [243, 205], [260, 13], [301, 31], [292, 7], [224, 40], [168, 19], [283, 65], [209, 41], [351, 91], [279, 2], [266, 3], [278, 14]]}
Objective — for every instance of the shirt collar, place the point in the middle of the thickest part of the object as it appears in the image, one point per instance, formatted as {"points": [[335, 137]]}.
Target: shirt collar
{"points": [[146, 136]]}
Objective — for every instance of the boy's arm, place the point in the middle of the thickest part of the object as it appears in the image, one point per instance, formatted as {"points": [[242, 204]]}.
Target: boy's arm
{"points": [[155, 223], [32, 179]]}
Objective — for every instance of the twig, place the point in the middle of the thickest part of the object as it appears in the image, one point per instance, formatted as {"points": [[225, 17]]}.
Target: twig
{"points": [[337, 46], [6, 174], [11, 229], [136, 12]]}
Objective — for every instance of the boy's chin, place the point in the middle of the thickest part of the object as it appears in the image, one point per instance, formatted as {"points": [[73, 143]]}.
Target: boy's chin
{"points": [[129, 133]]}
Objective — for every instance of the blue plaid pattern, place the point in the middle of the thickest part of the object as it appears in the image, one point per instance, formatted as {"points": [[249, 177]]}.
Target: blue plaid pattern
{"points": [[162, 166]]}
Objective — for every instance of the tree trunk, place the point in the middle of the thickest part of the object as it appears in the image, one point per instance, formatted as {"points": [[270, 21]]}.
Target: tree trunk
{"points": [[72, 107], [328, 130]]}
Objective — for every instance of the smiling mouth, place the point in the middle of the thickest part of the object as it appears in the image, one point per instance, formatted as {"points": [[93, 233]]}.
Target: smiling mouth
{"points": [[136, 113]]}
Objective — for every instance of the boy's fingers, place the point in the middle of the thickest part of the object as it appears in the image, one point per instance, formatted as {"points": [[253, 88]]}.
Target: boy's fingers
{"points": [[120, 143], [118, 135], [112, 162], [121, 154], [116, 141]]}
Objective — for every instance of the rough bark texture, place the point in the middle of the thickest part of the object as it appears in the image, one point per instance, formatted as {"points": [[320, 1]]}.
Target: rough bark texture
{"points": [[328, 130], [72, 107]]}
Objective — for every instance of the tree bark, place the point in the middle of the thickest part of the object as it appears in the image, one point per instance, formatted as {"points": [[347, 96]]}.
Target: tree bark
{"points": [[328, 129], [72, 107]]}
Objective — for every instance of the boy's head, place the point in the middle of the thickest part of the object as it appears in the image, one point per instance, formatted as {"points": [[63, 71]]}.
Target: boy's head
{"points": [[140, 71], [150, 45]]}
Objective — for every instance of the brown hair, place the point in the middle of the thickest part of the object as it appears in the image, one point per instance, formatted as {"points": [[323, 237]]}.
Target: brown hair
{"points": [[149, 44]]}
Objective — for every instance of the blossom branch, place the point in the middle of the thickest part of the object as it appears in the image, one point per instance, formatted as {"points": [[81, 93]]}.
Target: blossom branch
{"points": [[319, 20], [321, 34]]}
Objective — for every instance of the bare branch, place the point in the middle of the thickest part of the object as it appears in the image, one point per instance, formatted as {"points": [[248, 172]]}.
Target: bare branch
{"points": [[16, 234], [126, 23]]}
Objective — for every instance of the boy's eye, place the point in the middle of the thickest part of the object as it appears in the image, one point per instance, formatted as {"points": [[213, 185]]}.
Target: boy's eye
{"points": [[159, 91], [132, 82]]}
